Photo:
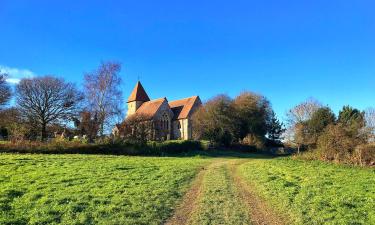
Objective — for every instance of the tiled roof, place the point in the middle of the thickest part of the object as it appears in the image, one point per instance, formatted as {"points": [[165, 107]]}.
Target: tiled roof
{"points": [[138, 94], [182, 108], [149, 108]]}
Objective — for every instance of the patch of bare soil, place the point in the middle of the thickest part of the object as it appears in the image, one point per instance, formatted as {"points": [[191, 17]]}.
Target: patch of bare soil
{"points": [[260, 212]]}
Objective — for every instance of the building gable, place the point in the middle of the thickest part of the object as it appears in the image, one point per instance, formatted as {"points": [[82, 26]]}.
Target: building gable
{"points": [[184, 108], [164, 108]]}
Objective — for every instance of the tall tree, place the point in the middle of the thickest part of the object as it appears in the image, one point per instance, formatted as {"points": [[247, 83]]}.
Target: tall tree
{"points": [[5, 92], [253, 114], [299, 135], [370, 122], [103, 93], [215, 121], [303, 111], [353, 120], [370, 117], [297, 118], [275, 128], [319, 120], [351, 117], [46, 100]]}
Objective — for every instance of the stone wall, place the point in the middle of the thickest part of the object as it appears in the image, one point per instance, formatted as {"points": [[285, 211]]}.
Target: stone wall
{"points": [[133, 106], [166, 133]]}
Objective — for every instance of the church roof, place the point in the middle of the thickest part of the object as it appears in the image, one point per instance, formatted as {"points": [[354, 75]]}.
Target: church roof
{"points": [[138, 94], [182, 108], [149, 108]]}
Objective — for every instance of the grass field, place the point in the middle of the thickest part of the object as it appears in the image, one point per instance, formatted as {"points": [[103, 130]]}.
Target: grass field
{"points": [[240, 189], [79, 189], [220, 202], [313, 192]]}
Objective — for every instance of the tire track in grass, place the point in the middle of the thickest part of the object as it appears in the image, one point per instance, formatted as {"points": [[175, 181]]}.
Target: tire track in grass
{"points": [[183, 212], [260, 212], [220, 201], [220, 196]]}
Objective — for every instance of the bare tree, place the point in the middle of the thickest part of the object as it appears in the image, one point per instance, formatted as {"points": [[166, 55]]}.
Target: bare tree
{"points": [[5, 92], [297, 118], [370, 122], [303, 111], [103, 93], [370, 117], [46, 100]]}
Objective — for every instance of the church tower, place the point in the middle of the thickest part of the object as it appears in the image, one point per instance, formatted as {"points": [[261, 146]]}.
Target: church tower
{"points": [[137, 98]]}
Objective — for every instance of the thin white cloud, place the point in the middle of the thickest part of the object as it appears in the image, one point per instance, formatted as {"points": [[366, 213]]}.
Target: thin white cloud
{"points": [[16, 74], [13, 80]]}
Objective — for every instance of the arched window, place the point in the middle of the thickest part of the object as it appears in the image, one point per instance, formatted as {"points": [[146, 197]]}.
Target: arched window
{"points": [[164, 123]]}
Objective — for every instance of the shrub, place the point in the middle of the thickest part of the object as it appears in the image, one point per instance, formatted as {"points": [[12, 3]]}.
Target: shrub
{"points": [[364, 155], [336, 143], [105, 146], [255, 141], [174, 147], [308, 155]]}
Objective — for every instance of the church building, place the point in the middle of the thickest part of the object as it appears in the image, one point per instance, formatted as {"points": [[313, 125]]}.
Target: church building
{"points": [[171, 120]]}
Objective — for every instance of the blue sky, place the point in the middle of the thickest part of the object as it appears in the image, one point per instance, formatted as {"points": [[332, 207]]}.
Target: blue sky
{"points": [[286, 50]]}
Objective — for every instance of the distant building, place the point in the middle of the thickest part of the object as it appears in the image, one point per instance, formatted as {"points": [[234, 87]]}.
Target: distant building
{"points": [[170, 120]]}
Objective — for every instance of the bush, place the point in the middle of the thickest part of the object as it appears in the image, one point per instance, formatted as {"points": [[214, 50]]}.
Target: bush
{"points": [[174, 147], [336, 144], [364, 155], [255, 141], [308, 155], [105, 146]]}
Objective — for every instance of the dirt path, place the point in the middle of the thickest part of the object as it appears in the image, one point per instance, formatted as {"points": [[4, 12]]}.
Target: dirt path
{"points": [[220, 196], [184, 211], [260, 212]]}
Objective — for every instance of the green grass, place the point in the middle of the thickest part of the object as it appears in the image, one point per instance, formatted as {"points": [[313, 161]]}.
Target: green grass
{"points": [[103, 189], [314, 192], [84, 189], [219, 202]]}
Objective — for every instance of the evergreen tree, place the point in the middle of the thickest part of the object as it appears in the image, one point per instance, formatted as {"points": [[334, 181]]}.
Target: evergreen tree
{"points": [[275, 129], [319, 120]]}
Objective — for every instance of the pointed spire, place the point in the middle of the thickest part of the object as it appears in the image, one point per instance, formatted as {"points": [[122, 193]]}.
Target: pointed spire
{"points": [[138, 94]]}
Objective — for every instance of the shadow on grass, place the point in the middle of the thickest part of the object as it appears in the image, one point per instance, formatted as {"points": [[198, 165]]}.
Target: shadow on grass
{"points": [[186, 149], [228, 154]]}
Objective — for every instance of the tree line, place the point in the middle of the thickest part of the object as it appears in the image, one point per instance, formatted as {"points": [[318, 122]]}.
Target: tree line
{"points": [[349, 136], [47, 105], [246, 119], [311, 126]]}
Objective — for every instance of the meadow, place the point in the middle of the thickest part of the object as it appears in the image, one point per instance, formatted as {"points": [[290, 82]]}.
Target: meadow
{"points": [[89, 189], [314, 192], [220, 201], [104, 189]]}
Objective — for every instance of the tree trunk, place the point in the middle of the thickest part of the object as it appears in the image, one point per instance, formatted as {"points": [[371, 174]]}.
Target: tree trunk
{"points": [[101, 129], [44, 132]]}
